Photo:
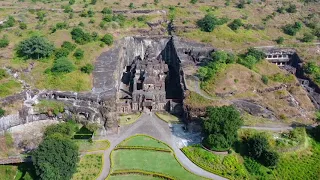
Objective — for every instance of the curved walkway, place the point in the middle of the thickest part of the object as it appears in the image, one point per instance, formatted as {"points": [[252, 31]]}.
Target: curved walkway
{"points": [[149, 124]]}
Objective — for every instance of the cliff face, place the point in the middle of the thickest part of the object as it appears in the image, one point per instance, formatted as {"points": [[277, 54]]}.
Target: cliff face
{"points": [[98, 106]]}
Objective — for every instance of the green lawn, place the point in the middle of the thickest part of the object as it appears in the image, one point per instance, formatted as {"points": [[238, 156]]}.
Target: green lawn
{"points": [[168, 117], [129, 119], [141, 140], [85, 146], [89, 167], [132, 177], [229, 166]]}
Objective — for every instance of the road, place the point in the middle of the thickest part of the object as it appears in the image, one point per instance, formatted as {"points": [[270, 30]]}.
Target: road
{"points": [[153, 126]]}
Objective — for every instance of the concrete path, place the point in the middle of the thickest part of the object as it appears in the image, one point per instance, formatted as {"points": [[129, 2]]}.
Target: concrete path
{"points": [[149, 124]]}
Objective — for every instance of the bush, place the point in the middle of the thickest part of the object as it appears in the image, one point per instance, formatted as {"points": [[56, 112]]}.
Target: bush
{"points": [[280, 40], [281, 10], [80, 36], [256, 146], [41, 15], [259, 55], [106, 11], [307, 37], [62, 65], [2, 112], [209, 22], [88, 68], [93, 2], [292, 8], [265, 79], [3, 74], [9, 23], [220, 127], [131, 5], [4, 42], [193, 1], [67, 9], [61, 52], [248, 61], [107, 39], [270, 158], [22, 25], [67, 129], [71, 2], [235, 24], [35, 47], [292, 29], [78, 54], [68, 45]]}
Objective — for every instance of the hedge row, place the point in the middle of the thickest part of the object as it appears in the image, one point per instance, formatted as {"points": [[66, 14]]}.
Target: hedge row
{"points": [[141, 172], [142, 148]]}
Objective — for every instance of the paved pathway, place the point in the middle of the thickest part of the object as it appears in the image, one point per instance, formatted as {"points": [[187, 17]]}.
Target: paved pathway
{"points": [[151, 125]]}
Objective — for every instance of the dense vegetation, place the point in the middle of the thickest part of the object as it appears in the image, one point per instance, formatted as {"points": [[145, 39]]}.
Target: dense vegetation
{"points": [[209, 22], [220, 127], [35, 47], [51, 163]]}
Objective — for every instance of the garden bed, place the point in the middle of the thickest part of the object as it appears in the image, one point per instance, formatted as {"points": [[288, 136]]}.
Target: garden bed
{"points": [[89, 167]]}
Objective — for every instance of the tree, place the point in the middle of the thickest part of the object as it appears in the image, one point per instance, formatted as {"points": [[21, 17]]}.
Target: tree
{"points": [[35, 47], [307, 37], [4, 41], [56, 158], [220, 127], [209, 22], [78, 54], [107, 39], [68, 45], [292, 29], [88, 68], [62, 65], [67, 129], [280, 40], [256, 145], [235, 24]]}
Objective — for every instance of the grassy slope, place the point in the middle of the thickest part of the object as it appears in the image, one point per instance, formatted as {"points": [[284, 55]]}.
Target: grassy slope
{"points": [[145, 141]]}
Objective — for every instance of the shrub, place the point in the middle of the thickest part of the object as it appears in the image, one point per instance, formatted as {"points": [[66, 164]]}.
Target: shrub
{"points": [[2, 112], [270, 158], [88, 68], [22, 25], [209, 22], [265, 79], [93, 2], [235, 24], [61, 25], [71, 2], [256, 146], [248, 61], [68, 45], [80, 36], [62, 65], [107, 39], [4, 42], [292, 8], [106, 11], [3, 74], [35, 47], [131, 5], [281, 10], [156, 2], [41, 15], [193, 1], [67, 9], [9, 23], [241, 5], [67, 129], [61, 52], [307, 37], [220, 127], [292, 29], [259, 55], [280, 40], [78, 54], [142, 18]]}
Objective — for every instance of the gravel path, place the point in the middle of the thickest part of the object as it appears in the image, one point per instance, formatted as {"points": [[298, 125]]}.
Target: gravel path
{"points": [[149, 124]]}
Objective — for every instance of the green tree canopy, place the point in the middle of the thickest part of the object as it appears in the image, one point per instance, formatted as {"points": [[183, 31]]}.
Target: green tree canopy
{"points": [[256, 145], [56, 158], [80, 36], [62, 65], [107, 39], [220, 127], [35, 47], [209, 22]]}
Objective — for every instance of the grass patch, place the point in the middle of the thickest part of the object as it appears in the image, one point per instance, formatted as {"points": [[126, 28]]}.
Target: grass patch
{"points": [[89, 167], [129, 119], [9, 88], [132, 177], [145, 141], [169, 118], [161, 162], [86, 146], [230, 166]]}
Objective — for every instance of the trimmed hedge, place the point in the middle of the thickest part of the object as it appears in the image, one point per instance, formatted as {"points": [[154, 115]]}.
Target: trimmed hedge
{"points": [[142, 148], [141, 172]]}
